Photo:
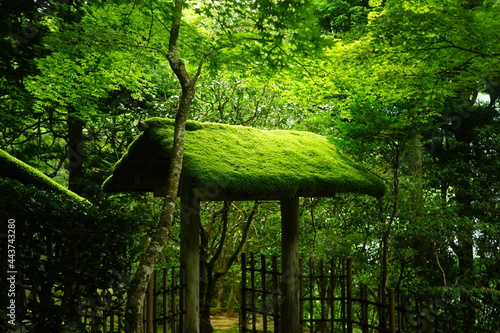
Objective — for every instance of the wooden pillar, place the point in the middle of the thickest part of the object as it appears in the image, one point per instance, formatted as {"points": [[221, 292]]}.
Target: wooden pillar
{"points": [[190, 260], [350, 313], [290, 265], [392, 310]]}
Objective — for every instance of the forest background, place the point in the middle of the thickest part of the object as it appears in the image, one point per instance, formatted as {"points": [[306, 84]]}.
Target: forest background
{"points": [[410, 89]]}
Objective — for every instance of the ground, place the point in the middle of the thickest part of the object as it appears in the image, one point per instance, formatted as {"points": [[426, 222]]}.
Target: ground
{"points": [[225, 324], [222, 323]]}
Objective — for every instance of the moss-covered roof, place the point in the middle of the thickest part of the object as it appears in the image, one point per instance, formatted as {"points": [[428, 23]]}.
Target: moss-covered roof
{"points": [[227, 162], [11, 167]]}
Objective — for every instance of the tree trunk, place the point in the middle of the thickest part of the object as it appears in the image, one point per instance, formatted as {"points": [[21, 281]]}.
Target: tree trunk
{"points": [[75, 153], [419, 240], [206, 302], [221, 293], [465, 253], [234, 295], [210, 275], [137, 291]]}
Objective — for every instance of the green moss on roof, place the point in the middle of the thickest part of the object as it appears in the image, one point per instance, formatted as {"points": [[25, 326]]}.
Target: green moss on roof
{"points": [[244, 161], [12, 167]]}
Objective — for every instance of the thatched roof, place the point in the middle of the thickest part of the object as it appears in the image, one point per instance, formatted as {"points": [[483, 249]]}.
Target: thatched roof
{"points": [[225, 162], [11, 167]]}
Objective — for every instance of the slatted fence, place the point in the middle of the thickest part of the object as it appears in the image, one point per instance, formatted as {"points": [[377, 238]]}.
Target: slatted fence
{"points": [[163, 308], [325, 296], [331, 301]]}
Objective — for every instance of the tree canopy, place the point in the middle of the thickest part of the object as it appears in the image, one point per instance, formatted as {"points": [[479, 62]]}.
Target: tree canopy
{"points": [[408, 89]]}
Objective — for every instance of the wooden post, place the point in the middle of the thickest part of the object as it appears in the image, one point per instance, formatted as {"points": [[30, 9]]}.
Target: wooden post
{"points": [[243, 312], [165, 300], [392, 310], [301, 295], [350, 317], [290, 265], [277, 317], [364, 308], [265, 312], [154, 311], [111, 322], [253, 292], [149, 304], [190, 260], [311, 297], [174, 323]]}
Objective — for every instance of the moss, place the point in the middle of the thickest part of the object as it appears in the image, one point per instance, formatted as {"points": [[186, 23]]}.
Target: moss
{"points": [[14, 168], [243, 160]]}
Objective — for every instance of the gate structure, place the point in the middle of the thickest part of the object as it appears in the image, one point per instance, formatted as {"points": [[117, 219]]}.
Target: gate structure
{"points": [[237, 163], [326, 302], [331, 302]]}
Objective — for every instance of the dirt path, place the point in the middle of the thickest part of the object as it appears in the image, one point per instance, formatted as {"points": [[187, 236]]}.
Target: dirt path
{"points": [[222, 322]]}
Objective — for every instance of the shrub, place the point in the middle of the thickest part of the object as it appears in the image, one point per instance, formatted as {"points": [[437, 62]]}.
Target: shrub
{"points": [[72, 259]]}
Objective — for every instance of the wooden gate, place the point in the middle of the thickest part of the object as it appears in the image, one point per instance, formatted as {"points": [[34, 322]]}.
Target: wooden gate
{"points": [[325, 296], [328, 301]]}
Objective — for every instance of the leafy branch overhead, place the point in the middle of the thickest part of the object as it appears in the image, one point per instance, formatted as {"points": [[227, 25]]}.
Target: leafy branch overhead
{"points": [[408, 89]]}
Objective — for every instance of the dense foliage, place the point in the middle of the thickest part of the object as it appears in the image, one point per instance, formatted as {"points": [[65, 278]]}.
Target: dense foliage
{"points": [[70, 257], [410, 89]]}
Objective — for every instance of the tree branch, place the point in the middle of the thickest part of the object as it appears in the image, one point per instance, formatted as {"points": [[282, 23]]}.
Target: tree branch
{"points": [[176, 63], [205, 56], [236, 252], [225, 212]]}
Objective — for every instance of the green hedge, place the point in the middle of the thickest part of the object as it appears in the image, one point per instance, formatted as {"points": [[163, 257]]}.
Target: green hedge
{"points": [[67, 253]]}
